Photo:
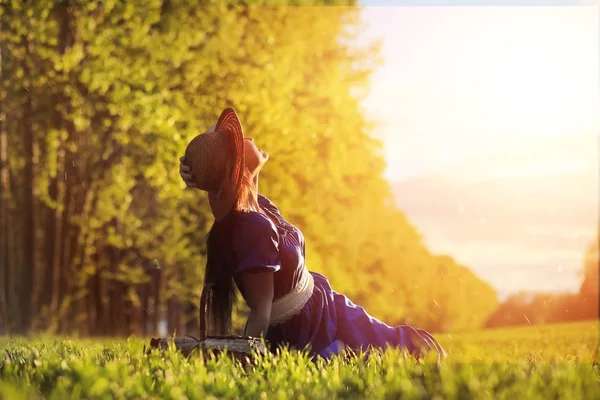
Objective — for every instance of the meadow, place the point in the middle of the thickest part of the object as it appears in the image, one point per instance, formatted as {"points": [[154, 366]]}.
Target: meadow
{"points": [[537, 362]]}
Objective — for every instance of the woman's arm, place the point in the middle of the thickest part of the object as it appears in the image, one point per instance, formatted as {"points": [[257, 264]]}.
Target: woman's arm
{"points": [[258, 293]]}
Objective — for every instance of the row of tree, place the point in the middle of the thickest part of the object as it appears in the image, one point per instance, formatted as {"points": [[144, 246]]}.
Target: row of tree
{"points": [[541, 308], [98, 99]]}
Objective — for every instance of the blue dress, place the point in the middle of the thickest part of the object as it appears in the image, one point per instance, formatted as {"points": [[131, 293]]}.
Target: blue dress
{"points": [[329, 322]]}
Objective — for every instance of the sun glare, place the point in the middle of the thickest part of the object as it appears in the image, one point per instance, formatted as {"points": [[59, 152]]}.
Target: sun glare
{"points": [[494, 109]]}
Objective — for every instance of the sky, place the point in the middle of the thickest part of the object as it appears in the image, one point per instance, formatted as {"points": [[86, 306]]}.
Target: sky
{"points": [[490, 119]]}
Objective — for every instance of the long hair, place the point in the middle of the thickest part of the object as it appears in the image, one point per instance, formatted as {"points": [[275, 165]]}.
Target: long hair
{"points": [[220, 259]]}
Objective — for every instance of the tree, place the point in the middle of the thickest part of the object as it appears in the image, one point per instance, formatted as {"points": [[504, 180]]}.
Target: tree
{"points": [[588, 292], [112, 243]]}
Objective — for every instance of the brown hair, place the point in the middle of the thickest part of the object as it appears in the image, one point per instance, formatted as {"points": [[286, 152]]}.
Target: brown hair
{"points": [[220, 260], [246, 199]]}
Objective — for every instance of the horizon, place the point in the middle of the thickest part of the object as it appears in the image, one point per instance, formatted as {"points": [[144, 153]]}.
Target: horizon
{"points": [[481, 119]]}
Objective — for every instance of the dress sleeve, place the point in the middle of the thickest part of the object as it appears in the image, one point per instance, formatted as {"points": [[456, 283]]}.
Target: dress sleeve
{"points": [[256, 245]]}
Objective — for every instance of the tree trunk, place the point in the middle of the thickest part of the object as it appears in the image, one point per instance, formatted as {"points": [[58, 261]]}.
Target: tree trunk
{"points": [[12, 262], [171, 317], [59, 215], [49, 244], [116, 296], [68, 280], [136, 312], [58, 233], [191, 319], [120, 309], [29, 223], [156, 282], [145, 307], [91, 305], [127, 310], [83, 315], [37, 267], [101, 301], [103, 305], [174, 317], [4, 196]]}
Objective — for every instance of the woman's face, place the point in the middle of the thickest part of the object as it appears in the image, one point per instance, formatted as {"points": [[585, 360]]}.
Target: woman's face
{"points": [[255, 157]]}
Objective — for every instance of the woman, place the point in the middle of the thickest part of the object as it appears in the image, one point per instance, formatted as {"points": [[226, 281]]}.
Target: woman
{"points": [[252, 247]]}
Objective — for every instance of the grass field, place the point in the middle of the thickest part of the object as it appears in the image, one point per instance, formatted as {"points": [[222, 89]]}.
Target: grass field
{"points": [[538, 362]]}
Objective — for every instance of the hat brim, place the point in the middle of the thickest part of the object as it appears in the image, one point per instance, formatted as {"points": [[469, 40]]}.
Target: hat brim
{"points": [[222, 202]]}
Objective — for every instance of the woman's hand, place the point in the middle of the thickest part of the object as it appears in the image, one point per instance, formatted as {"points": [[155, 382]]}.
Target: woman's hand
{"points": [[186, 174]]}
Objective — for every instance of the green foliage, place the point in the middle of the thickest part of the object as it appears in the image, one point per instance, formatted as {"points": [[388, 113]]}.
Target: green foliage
{"points": [[588, 292], [539, 308], [119, 88], [550, 362]]}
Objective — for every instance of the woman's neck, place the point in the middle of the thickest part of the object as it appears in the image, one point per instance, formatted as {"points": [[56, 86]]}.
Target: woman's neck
{"points": [[255, 182], [251, 196]]}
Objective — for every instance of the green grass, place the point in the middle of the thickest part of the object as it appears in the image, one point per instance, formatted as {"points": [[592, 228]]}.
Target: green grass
{"points": [[540, 362]]}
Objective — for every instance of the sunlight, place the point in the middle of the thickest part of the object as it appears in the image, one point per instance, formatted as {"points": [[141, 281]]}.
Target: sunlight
{"points": [[489, 115], [458, 82]]}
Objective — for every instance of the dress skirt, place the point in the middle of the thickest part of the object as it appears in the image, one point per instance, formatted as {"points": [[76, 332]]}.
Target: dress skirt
{"points": [[330, 323]]}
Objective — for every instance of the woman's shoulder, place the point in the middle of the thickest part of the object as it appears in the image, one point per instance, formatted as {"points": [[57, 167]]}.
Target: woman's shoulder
{"points": [[265, 202], [252, 223], [256, 243]]}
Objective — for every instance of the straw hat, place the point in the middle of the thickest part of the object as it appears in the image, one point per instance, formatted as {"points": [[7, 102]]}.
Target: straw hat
{"points": [[216, 160]]}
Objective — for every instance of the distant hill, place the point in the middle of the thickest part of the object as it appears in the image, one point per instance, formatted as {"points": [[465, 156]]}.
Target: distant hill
{"points": [[517, 230]]}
